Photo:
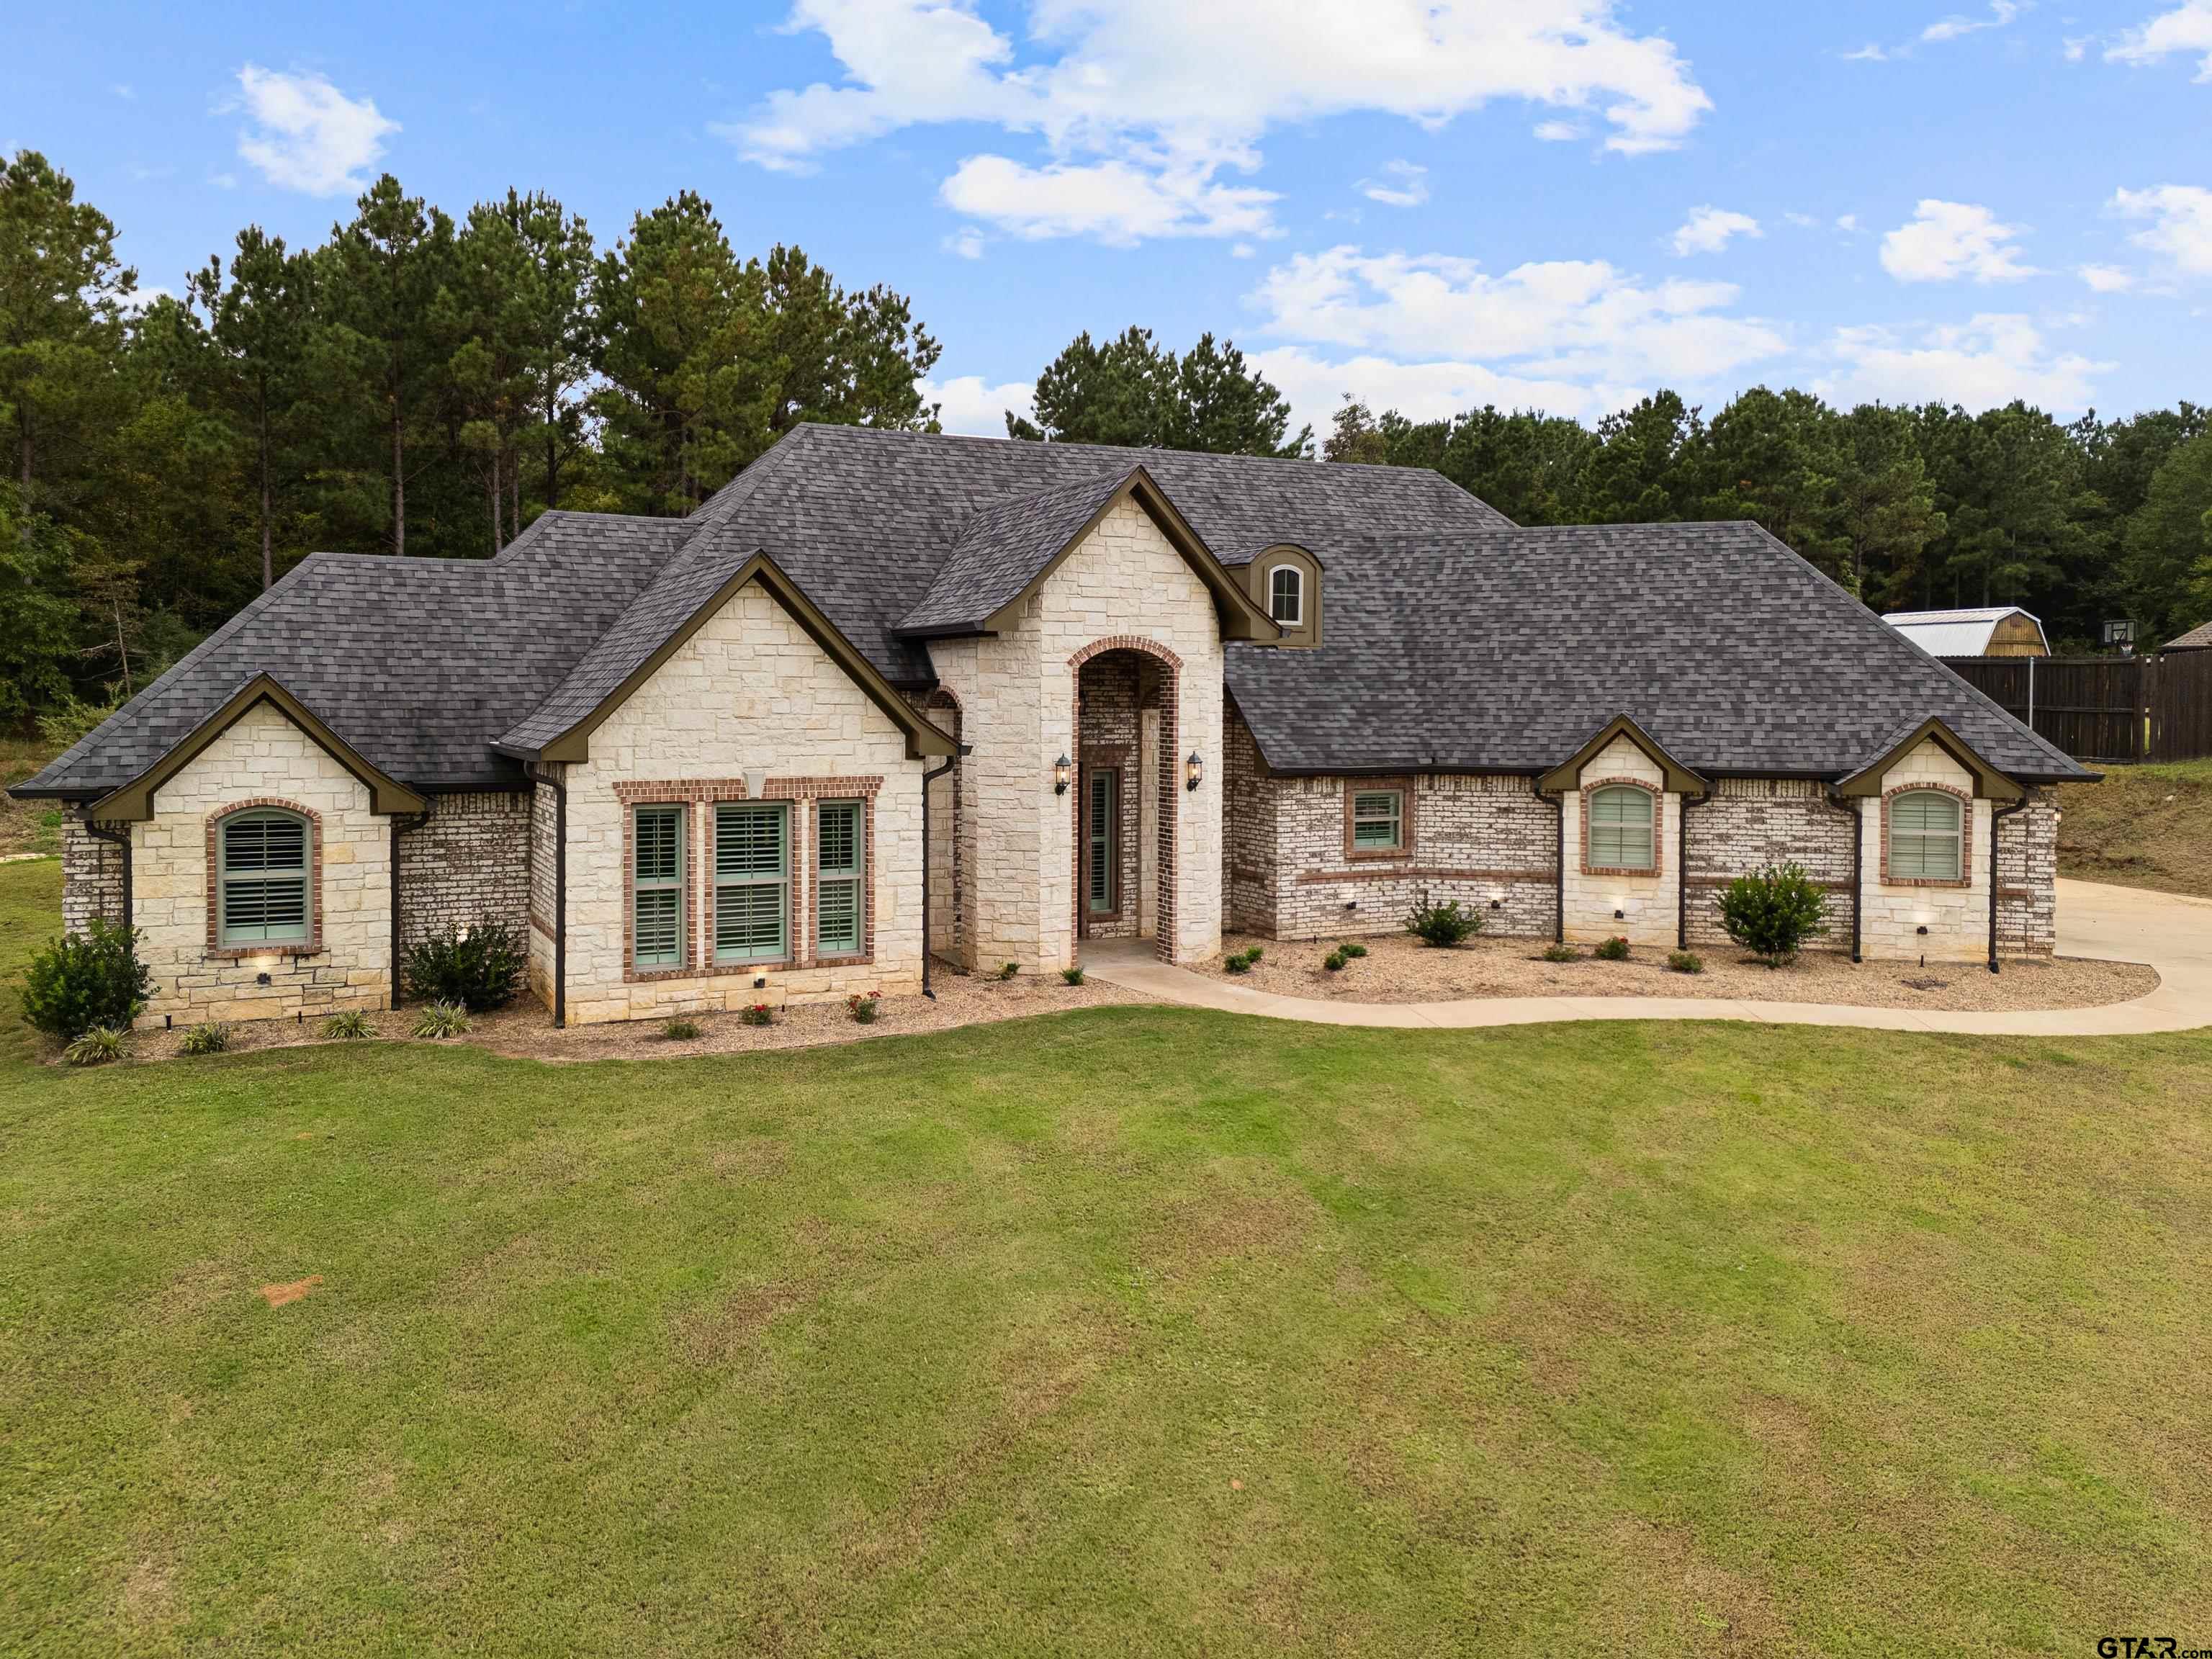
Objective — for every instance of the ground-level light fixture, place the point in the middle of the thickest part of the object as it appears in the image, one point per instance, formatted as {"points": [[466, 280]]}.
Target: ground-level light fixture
{"points": [[1194, 769], [1060, 776]]}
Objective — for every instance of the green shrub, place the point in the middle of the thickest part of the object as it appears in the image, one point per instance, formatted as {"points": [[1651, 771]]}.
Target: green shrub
{"points": [[1073, 976], [210, 1038], [73, 717], [1334, 961], [1772, 912], [1561, 953], [95, 1047], [1354, 950], [478, 967], [758, 1013], [441, 1019], [1684, 962], [679, 1030], [1240, 962], [863, 1006], [1010, 971], [84, 980], [1614, 950], [1252, 955], [347, 1025], [1442, 926]]}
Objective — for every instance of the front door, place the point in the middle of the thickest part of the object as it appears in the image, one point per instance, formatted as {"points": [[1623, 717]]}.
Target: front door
{"points": [[1101, 875]]}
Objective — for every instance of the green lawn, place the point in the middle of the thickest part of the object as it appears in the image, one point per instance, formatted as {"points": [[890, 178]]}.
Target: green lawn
{"points": [[1120, 1331]]}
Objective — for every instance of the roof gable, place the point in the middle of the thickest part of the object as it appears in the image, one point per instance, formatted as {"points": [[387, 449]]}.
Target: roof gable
{"points": [[1989, 782], [1680, 780]]}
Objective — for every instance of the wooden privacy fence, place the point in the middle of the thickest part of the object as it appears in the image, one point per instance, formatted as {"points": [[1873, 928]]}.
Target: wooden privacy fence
{"points": [[2118, 711]]}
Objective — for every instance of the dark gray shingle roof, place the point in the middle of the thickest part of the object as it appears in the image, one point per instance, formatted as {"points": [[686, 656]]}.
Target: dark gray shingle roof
{"points": [[1003, 545], [418, 663], [1505, 651]]}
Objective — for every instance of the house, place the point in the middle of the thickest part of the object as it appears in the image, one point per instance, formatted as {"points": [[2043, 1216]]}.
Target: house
{"points": [[890, 696], [1992, 631], [2198, 638]]}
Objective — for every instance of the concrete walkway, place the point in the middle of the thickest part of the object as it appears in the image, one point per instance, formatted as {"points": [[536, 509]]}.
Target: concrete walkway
{"points": [[2173, 934]]}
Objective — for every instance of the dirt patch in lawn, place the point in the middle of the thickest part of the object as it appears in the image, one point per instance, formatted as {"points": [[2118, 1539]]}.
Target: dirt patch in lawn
{"points": [[525, 1029], [2144, 826], [1398, 968]]}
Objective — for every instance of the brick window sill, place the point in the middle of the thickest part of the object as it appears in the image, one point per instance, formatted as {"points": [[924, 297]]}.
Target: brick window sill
{"points": [[239, 952]]}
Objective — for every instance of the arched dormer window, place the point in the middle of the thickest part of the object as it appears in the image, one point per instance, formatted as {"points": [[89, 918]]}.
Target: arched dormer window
{"points": [[1286, 595], [263, 893]]}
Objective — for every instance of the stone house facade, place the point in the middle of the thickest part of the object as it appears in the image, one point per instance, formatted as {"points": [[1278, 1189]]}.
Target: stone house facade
{"points": [[892, 700]]}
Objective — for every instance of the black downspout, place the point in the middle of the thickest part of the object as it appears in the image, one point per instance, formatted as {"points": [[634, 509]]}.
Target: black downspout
{"points": [[1996, 818], [1682, 869], [1858, 860], [929, 778], [116, 838], [1560, 863]]}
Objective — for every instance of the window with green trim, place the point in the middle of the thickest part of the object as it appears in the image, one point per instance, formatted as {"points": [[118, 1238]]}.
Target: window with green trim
{"points": [[840, 898], [1378, 821], [1620, 829], [262, 888], [1103, 874], [1924, 836], [657, 887], [753, 881]]}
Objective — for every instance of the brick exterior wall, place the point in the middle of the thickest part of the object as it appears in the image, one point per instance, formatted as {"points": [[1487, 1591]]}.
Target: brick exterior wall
{"points": [[467, 861], [1751, 823], [1115, 687], [2027, 875], [544, 816], [92, 876]]}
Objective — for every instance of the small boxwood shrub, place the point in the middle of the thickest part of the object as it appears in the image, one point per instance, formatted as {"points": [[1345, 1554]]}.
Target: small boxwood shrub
{"points": [[1684, 962], [679, 1030], [1442, 926], [478, 967], [1010, 971], [1240, 962], [1772, 912], [1352, 950], [210, 1038], [441, 1019], [95, 1047], [1614, 950], [87, 979], [1334, 961], [1561, 953]]}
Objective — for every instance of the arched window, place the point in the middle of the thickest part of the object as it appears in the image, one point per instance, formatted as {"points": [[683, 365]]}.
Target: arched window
{"points": [[1924, 838], [1620, 829], [263, 894], [1286, 595]]}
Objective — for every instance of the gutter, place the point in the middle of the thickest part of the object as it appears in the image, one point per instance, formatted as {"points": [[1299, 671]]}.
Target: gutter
{"points": [[560, 891], [929, 778], [1858, 860], [1681, 867], [1998, 818], [1559, 861], [118, 838]]}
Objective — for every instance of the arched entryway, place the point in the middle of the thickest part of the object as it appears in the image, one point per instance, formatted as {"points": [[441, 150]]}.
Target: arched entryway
{"points": [[1124, 792]]}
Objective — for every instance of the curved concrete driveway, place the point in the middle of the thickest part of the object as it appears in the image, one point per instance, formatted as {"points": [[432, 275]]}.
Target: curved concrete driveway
{"points": [[2173, 934]]}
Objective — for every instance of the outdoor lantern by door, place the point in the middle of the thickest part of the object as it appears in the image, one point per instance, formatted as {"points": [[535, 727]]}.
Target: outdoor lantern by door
{"points": [[1193, 771], [1060, 776]]}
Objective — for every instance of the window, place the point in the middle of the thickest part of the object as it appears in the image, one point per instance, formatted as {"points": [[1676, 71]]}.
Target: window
{"points": [[1286, 595], [261, 896], [1620, 829], [840, 895], [1923, 835], [753, 881], [1378, 821], [657, 888], [1105, 841]]}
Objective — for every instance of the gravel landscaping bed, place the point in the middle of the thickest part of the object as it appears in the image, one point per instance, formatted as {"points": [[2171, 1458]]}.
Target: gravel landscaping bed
{"points": [[1398, 969], [525, 1029]]}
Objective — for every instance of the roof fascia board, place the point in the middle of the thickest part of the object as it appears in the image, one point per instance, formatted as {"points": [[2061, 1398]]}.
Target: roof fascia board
{"points": [[1989, 782], [922, 737], [1680, 780], [134, 801]]}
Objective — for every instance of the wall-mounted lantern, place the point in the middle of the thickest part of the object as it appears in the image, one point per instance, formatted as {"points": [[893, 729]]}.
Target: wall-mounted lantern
{"points": [[1194, 771], [1060, 776]]}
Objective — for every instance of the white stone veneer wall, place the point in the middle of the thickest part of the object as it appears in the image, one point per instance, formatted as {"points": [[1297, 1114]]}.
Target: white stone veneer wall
{"points": [[1957, 918], [1647, 904], [263, 756], [750, 691]]}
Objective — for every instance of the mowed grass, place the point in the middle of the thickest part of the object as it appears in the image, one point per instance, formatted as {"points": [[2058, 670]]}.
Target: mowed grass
{"points": [[1124, 1332]]}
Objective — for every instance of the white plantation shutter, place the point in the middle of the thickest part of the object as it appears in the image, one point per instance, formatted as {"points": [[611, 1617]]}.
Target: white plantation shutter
{"points": [[1923, 836], [1620, 829], [840, 860], [752, 882], [261, 881], [657, 888], [1377, 818]]}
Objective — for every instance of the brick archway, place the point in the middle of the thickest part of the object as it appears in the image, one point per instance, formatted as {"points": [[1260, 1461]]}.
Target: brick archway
{"points": [[1168, 786]]}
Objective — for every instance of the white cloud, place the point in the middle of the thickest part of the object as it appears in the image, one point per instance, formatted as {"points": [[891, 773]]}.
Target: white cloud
{"points": [[305, 135], [1181, 91], [970, 404], [2107, 279], [1707, 230], [967, 243], [1848, 223], [2180, 230], [1113, 201], [1869, 53], [1315, 385], [2186, 29], [1946, 240], [1558, 132], [2076, 47], [1982, 364], [1407, 185], [125, 91], [2001, 12], [1579, 324]]}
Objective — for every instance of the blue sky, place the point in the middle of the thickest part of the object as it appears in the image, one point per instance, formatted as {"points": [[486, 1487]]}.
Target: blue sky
{"points": [[1557, 203]]}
